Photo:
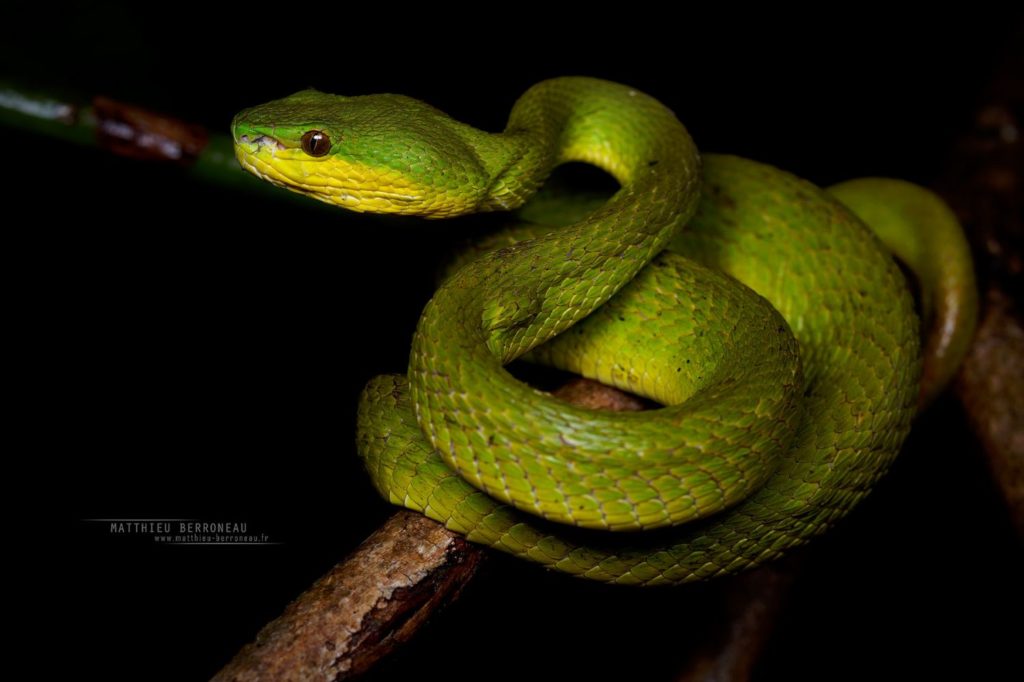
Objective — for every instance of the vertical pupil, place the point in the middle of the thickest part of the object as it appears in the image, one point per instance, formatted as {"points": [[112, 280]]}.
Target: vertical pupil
{"points": [[316, 142]]}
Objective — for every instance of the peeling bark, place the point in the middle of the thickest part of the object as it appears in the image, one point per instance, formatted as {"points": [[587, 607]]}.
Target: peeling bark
{"points": [[984, 182], [363, 608], [380, 595]]}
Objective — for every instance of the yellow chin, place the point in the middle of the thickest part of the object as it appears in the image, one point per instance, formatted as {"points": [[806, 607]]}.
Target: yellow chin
{"points": [[356, 188]]}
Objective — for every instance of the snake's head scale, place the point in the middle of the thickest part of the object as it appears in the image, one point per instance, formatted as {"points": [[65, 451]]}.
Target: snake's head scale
{"points": [[377, 153]]}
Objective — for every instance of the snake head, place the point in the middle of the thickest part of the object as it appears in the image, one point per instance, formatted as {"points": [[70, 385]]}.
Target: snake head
{"points": [[377, 153]]}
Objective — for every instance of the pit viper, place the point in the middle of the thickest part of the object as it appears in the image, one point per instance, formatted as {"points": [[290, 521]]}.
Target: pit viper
{"points": [[770, 323]]}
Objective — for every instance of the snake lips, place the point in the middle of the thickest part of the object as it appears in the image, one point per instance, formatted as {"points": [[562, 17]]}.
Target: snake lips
{"points": [[764, 315]]}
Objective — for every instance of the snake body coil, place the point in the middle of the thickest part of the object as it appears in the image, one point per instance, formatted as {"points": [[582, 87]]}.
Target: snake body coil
{"points": [[783, 407]]}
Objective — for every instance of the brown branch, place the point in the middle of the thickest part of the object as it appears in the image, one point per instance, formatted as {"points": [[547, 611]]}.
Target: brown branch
{"points": [[741, 622], [363, 608], [992, 391], [985, 185], [380, 595]]}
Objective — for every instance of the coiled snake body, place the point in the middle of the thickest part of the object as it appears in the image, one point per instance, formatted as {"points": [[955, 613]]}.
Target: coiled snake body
{"points": [[782, 407]]}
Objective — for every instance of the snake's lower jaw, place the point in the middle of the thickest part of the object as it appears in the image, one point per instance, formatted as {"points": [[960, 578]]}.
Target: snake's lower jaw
{"points": [[246, 153], [340, 183]]}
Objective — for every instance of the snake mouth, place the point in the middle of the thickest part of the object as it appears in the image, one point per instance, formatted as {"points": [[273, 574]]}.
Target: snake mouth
{"points": [[259, 141], [324, 187]]}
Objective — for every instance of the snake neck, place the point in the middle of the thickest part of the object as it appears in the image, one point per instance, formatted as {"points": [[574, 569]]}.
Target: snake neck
{"points": [[547, 127], [513, 299], [540, 288]]}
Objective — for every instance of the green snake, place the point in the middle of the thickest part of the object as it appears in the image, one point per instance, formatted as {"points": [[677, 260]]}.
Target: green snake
{"points": [[781, 408]]}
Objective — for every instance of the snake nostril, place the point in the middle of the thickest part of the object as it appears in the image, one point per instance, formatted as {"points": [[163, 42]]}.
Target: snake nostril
{"points": [[243, 138]]}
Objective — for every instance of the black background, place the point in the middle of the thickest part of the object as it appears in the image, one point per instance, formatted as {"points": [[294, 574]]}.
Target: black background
{"points": [[197, 353]]}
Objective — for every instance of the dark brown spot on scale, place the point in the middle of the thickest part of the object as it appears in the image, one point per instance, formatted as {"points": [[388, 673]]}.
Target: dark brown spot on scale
{"points": [[720, 195]]}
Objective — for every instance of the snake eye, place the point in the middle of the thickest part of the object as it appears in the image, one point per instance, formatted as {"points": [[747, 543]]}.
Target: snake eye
{"points": [[316, 142]]}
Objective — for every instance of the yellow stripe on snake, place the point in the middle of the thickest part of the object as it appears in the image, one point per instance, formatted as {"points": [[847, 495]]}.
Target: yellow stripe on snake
{"points": [[772, 325]]}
